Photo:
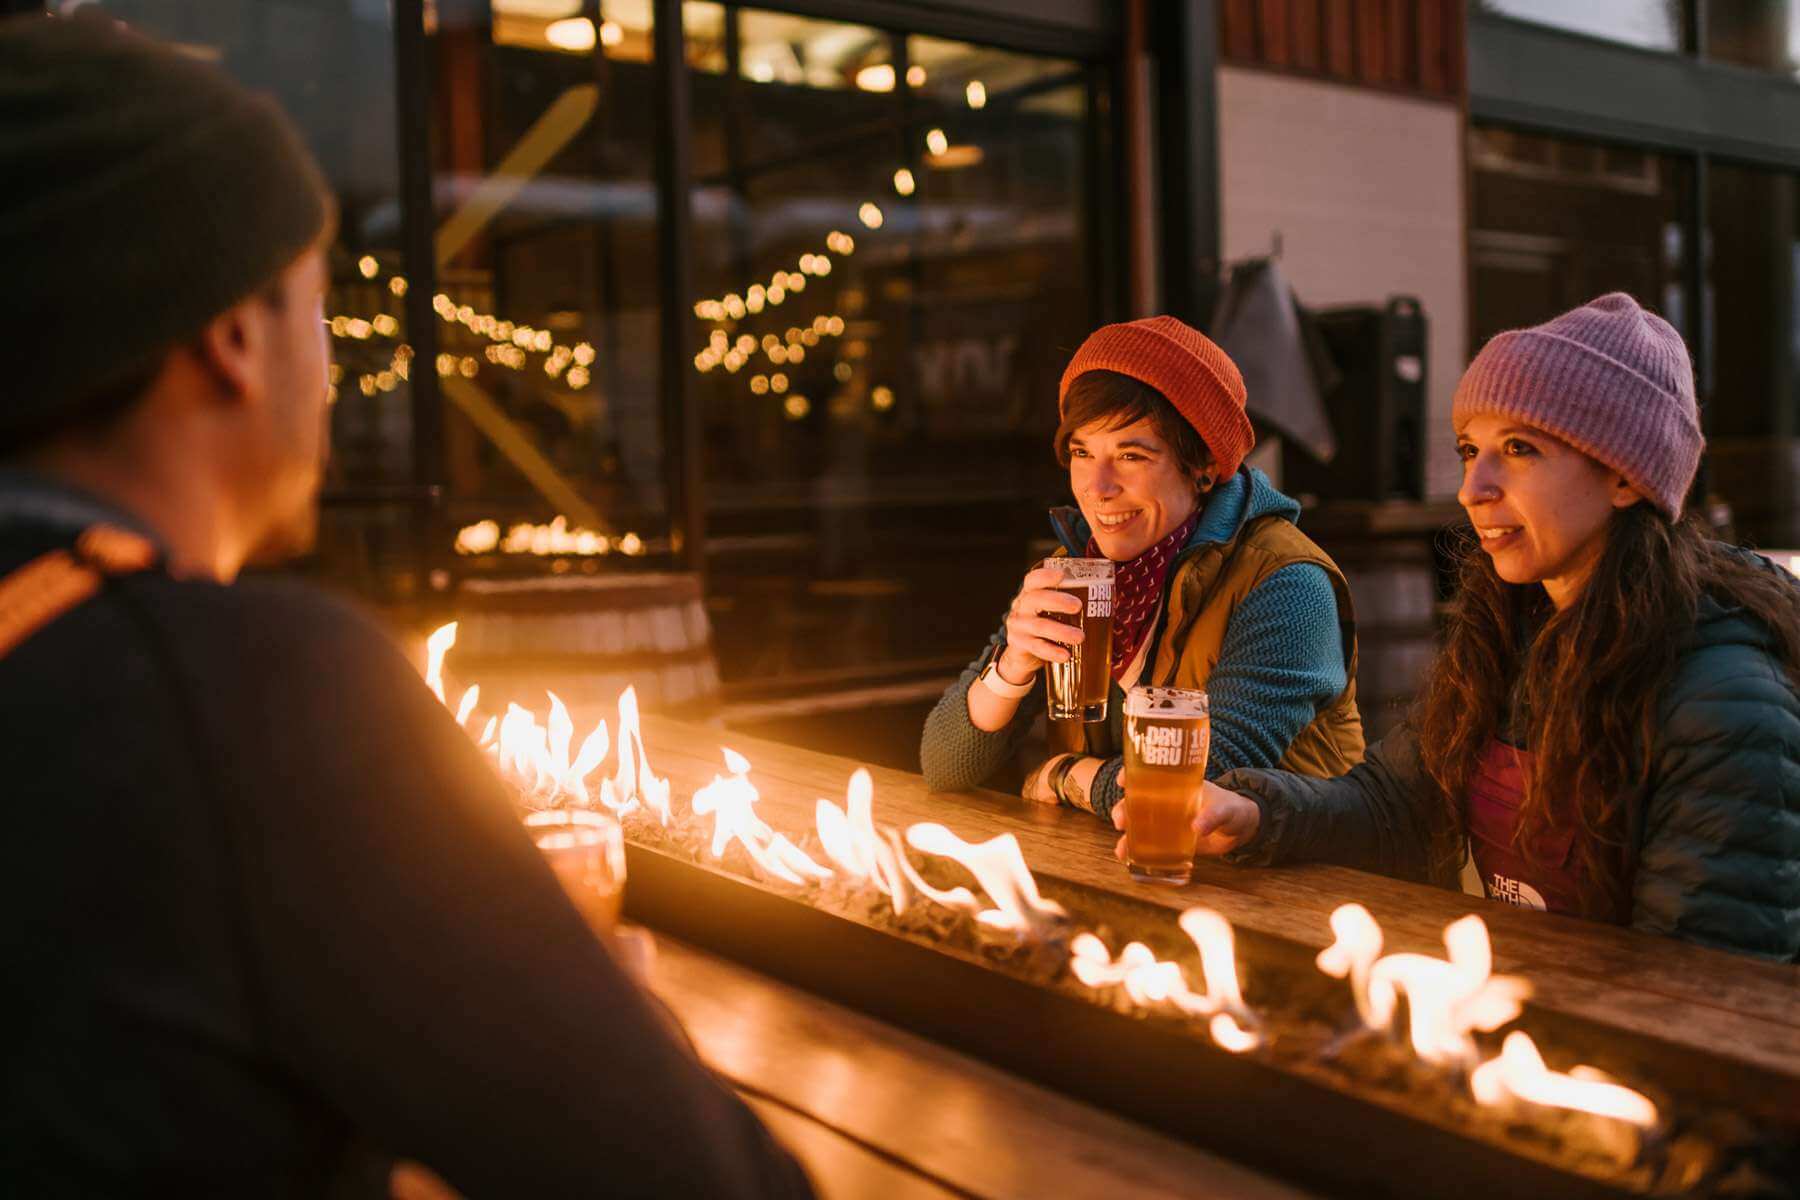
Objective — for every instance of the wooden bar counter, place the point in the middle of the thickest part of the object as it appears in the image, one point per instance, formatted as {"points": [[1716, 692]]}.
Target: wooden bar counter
{"points": [[875, 1112], [1728, 1009]]}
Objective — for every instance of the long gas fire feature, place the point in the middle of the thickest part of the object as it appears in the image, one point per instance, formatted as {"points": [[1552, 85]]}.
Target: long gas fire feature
{"points": [[1270, 1016]]}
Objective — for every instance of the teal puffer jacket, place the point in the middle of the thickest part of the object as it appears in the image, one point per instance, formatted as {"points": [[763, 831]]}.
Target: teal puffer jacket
{"points": [[1717, 834]]}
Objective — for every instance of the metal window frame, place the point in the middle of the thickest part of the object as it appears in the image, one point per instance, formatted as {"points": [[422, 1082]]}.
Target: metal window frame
{"points": [[1088, 30], [1187, 115], [418, 256], [1566, 84], [1559, 82], [1073, 28]]}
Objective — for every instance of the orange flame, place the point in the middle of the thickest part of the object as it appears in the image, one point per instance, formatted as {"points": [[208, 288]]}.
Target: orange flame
{"points": [[466, 706], [852, 842], [436, 647], [1145, 978], [1447, 999], [732, 805], [634, 781], [1519, 1072], [1234, 1028], [537, 756], [999, 866], [1353, 954], [1149, 981]]}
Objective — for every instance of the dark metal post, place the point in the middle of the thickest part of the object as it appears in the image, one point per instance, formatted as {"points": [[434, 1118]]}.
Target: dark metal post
{"points": [[1188, 121], [418, 256], [1696, 268], [1696, 27], [1105, 209], [674, 235]]}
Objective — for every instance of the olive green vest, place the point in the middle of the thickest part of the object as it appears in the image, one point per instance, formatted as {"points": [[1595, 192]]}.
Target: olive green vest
{"points": [[1204, 589]]}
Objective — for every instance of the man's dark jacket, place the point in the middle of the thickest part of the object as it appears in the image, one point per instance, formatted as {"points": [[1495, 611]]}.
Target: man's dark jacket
{"points": [[270, 920], [1717, 833]]}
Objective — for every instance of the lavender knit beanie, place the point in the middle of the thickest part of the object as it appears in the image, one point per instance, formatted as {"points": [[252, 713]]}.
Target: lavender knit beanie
{"points": [[1610, 379]]}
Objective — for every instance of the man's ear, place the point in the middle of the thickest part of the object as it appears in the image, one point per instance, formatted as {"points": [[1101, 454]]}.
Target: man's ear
{"points": [[229, 348]]}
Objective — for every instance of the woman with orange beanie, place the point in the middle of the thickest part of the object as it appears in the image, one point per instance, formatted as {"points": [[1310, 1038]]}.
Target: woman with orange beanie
{"points": [[1214, 585]]}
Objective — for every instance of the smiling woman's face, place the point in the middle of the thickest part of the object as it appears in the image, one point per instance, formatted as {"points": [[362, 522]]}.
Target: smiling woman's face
{"points": [[1539, 506], [1130, 486]]}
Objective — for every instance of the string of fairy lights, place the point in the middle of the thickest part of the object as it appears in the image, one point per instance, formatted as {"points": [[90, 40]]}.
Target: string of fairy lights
{"points": [[736, 350], [512, 343]]}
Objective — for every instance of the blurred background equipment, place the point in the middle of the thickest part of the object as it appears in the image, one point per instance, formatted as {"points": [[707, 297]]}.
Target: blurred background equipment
{"points": [[1286, 368], [1377, 408]]}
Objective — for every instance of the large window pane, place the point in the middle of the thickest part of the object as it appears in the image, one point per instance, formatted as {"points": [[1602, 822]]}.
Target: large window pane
{"points": [[1650, 24], [548, 287], [1755, 33], [331, 65], [892, 265], [1557, 221], [1753, 232]]}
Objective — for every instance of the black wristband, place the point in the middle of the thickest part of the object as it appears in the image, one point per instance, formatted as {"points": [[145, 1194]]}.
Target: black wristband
{"points": [[1059, 776]]}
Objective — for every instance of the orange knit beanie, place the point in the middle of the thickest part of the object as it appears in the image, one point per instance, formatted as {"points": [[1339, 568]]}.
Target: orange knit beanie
{"points": [[1179, 361]]}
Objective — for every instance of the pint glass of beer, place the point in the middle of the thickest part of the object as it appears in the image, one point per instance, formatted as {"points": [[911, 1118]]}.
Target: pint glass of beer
{"points": [[1167, 734], [1077, 688], [586, 849]]}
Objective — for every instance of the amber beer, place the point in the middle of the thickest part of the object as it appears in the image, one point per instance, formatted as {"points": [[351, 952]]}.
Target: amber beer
{"points": [[1078, 687], [586, 850], [1167, 734]]}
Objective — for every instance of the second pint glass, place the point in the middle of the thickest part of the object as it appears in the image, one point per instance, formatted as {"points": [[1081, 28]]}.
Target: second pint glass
{"points": [[586, 849], [1077, 688], [1167, 734]]}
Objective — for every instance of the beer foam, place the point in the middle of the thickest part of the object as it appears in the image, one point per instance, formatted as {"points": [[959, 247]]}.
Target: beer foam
{"points": [[1082, 570], [1165, 702]]}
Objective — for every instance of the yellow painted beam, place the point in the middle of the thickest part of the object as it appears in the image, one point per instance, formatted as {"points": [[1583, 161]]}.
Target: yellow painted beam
{"points": [[546, 138], [519, 450]]}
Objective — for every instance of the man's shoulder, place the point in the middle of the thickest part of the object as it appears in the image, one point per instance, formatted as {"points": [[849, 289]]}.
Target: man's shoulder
{"points": [[264, 628], [279, 608]]}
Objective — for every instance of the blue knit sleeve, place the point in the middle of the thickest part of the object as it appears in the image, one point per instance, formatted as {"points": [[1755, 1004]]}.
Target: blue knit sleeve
{"points": [[953, 754], [1281, 662]]}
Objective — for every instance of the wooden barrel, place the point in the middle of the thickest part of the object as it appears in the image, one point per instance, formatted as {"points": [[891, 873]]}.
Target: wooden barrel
{"points": [[587, 638]]}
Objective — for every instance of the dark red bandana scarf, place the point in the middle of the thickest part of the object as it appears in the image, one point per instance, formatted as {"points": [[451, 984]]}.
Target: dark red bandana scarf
{"points": [[1137, 590]]}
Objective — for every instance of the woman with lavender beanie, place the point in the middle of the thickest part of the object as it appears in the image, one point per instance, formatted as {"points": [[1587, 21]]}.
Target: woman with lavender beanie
{"points": [[1611, 728]]}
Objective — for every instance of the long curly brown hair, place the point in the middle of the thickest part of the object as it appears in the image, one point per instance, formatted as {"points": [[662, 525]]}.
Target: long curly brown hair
{"points": [[1581, 688]]}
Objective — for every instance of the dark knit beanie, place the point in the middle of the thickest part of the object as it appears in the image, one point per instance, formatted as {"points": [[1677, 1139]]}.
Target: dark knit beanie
{"points": [[142, 193]]}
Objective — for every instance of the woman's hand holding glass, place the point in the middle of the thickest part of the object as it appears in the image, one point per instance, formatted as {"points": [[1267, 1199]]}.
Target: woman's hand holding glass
{"points": [[1033, 639], [1226, 820]]}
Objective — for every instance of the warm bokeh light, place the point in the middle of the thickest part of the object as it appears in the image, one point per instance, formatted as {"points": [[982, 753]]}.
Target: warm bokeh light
{"points": [[877, 78], [574, 34]]}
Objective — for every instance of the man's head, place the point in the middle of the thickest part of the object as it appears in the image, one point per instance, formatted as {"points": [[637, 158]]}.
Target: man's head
{"points": [[164, 232]]}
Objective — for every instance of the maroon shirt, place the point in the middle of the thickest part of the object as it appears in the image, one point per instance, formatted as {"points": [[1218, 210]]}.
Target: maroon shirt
{"points": [[1546, 874]]}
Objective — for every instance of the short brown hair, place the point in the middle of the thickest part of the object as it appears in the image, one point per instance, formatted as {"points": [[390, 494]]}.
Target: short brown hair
{"points": [[1119, 400]]}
